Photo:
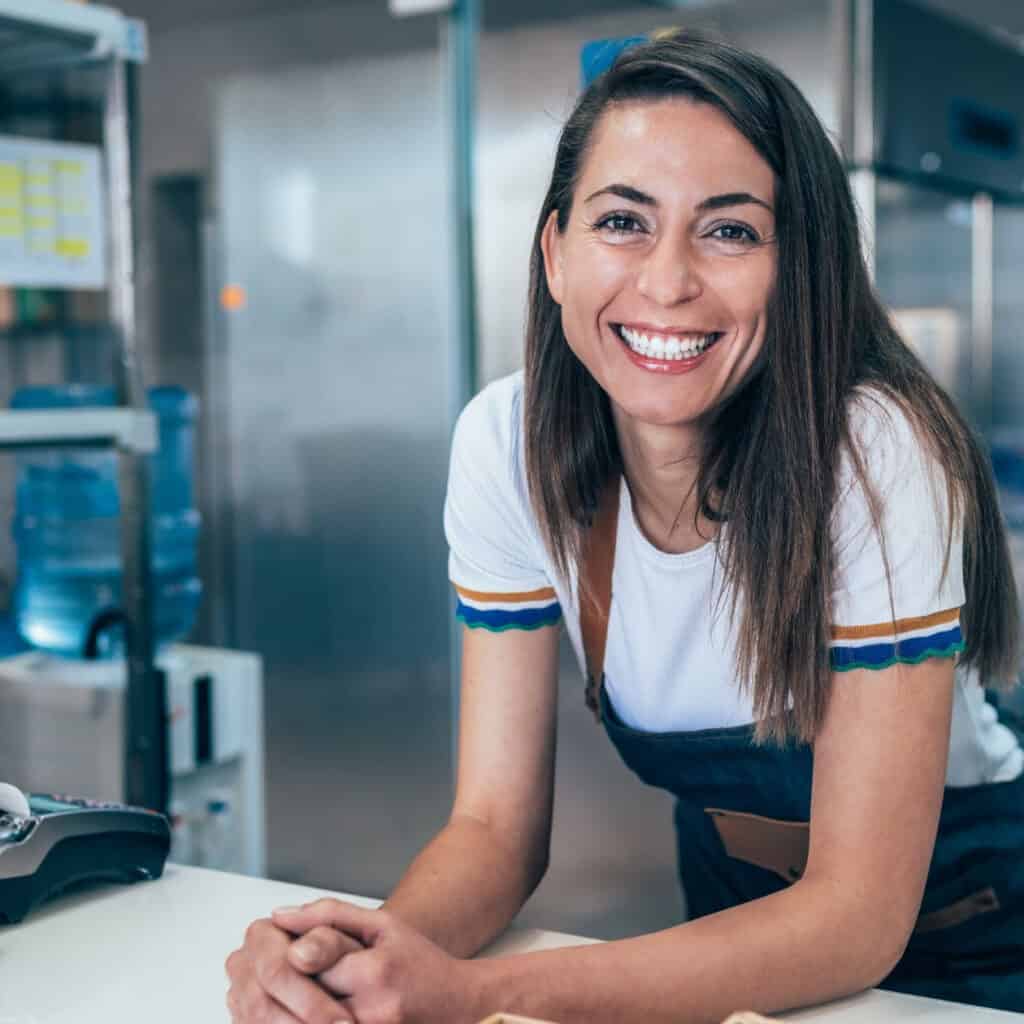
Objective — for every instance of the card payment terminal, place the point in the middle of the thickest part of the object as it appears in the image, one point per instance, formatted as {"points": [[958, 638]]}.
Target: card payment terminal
{"points": [[48, 843]]}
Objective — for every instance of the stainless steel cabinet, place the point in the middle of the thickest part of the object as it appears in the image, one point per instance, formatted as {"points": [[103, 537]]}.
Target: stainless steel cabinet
{"points": [[334, 224]]}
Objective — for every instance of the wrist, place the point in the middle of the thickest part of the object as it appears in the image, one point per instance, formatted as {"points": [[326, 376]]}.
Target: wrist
{"points": [[480, 985]]}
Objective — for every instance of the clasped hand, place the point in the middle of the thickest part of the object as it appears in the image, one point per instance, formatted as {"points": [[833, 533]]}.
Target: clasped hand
{"points": [[330, 962]]}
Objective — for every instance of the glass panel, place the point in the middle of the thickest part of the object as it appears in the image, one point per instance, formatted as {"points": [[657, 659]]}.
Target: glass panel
{"points": [[1008, 322], [1007, 379], [923, 266]]}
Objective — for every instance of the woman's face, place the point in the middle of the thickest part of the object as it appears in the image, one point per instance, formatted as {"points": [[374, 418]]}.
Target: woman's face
{"points": [[666, 264]]}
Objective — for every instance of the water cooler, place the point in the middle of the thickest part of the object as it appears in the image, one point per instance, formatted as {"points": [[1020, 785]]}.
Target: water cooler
{"points": [[61, 731]]}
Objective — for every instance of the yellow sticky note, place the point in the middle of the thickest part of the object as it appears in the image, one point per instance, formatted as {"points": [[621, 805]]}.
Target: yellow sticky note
{"points": [[76, 248]]}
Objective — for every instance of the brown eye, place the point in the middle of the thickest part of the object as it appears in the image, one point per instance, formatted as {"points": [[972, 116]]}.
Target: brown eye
{"points": [[619, 224], [734, 233]]}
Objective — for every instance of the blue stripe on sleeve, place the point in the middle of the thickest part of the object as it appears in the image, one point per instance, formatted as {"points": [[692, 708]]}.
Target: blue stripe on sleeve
{"points": [[499, 619], [912, 651]]}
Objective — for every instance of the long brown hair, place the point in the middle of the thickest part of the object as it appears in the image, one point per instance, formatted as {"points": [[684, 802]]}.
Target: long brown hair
{"points": [[772, 451]]}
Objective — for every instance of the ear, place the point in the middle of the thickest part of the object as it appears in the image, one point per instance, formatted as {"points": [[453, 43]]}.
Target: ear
{"points": [[551, 248]]}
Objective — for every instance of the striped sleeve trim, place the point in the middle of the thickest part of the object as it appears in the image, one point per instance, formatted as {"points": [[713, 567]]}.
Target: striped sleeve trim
{"points": [[885, 630], [906, 641], [499, 612]]}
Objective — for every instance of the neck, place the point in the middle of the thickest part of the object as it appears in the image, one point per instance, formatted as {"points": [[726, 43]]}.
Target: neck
{"points": [[661, 465]]}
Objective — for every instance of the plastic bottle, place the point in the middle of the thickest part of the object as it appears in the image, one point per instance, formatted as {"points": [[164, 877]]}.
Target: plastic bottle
{"points": [[218, 827], [67, 528]]}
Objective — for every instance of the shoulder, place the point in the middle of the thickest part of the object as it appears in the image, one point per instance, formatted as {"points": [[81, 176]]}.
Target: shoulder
{"points": [[487, 471], [492, 533], [878, 422], [489, 428], [892, 448]]}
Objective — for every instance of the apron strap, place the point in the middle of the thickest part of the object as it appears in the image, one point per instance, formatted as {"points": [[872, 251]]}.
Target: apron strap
{"points": [[594, 590]]}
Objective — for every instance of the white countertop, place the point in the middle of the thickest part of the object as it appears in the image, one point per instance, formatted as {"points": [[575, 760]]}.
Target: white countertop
{"points": [[155, 952]]}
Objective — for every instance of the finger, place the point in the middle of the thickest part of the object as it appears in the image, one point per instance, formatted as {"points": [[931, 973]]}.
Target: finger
{"points": [[353, 975], [320, 948], [365, 925], [268, 968], [249, 1004], [301, 995]]}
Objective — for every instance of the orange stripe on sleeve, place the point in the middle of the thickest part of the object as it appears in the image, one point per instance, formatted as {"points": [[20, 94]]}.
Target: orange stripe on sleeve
{"points": [[544, 594], [887, 629]]}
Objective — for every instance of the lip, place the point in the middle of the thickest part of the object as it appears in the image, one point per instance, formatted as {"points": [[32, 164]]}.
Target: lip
{"points": [[644, 328], [671, 367]]}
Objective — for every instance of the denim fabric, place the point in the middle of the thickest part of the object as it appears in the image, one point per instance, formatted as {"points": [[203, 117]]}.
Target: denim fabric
{"points": [[980, 845]]}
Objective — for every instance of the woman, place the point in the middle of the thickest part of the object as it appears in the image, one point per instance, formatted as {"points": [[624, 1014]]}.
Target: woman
{"points": [[718, 425]]}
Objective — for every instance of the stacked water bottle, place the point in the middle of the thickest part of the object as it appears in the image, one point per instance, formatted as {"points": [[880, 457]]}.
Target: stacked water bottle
{"points": [[68, 533]]}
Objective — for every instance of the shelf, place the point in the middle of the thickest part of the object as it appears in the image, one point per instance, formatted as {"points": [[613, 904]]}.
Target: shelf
{"points": [[128, 429], [57, 33]]}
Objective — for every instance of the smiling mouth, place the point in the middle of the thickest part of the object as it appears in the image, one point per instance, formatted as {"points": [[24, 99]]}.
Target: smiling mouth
{"points": [[668, 347]]}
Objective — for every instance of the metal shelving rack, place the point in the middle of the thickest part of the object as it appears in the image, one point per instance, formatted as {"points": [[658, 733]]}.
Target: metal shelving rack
{"points": [[60, 34]]}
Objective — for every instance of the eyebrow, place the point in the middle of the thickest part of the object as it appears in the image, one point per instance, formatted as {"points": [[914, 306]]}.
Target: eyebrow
{"points": [[634, 195]]}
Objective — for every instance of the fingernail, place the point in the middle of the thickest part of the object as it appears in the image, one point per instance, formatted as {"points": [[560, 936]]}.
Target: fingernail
{"points": [[308, 950], [286, 910]]}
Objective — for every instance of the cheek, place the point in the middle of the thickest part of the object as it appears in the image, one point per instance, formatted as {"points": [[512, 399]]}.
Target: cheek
{"points": [[594, 274], [748, 290]]}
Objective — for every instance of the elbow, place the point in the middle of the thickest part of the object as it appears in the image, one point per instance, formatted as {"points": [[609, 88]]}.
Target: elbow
{"points": [[537, 866], [889, 951], [884, 946], [865, 965], [876, 935], [879, 970]]}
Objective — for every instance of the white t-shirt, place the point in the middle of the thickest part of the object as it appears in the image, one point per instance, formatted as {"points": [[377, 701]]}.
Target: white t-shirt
{"points": [[669, 662]]}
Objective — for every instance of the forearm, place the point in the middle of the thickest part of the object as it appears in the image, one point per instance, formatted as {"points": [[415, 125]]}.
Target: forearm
{"points": [[464, 887], [794, 948]]}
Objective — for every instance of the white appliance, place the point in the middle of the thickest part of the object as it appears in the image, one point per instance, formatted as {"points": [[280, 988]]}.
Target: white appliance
{"points": [[61, 731]]}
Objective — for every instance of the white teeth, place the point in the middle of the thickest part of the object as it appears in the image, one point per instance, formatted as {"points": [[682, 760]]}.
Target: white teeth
{"points": [[665, 346]]}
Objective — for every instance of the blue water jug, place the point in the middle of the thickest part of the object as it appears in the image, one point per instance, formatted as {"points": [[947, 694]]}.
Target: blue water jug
{"points": [[68, 533]]}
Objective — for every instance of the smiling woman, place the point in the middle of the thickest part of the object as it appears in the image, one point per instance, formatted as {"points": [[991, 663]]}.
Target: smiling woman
{"points": [[775, 547], [668, 263]]}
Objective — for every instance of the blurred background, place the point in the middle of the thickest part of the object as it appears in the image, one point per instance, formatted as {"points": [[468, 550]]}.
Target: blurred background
{"points": [[297, 232]]}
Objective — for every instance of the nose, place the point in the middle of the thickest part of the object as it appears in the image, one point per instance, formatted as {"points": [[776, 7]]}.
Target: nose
{"points": [[668, 275]]}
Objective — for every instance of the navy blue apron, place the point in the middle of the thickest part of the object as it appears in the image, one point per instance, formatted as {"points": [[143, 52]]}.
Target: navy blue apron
{"points": [[742, 817]]}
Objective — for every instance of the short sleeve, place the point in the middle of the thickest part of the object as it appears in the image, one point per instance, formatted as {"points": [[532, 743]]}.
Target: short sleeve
{"points": [[495, 560], [919, 618]]}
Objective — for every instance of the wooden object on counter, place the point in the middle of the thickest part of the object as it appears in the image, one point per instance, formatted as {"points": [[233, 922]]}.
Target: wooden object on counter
{"points": [[743, 1017], [508, 1018]]}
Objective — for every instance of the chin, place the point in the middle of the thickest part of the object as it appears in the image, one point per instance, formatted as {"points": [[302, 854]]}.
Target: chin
{"points": [[647, 409]]}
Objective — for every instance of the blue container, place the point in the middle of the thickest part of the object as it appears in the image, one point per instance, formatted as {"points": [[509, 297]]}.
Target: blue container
{"points": [[10, 639], [68, 532]]}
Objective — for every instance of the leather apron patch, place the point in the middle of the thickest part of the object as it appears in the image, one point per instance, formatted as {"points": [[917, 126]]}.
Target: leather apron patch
{"points": [[770, 843], [983, 901], [781, 847]]}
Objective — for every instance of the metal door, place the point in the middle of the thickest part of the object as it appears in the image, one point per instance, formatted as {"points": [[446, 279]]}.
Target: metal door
{"points": [[335, 246]]}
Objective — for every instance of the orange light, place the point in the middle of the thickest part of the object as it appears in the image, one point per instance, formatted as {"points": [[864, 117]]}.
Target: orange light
{"points": [[232, 297]]}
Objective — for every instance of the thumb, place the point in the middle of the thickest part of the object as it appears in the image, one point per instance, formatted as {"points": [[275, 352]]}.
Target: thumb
{"points": [[321, 948], [359, 922]]}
